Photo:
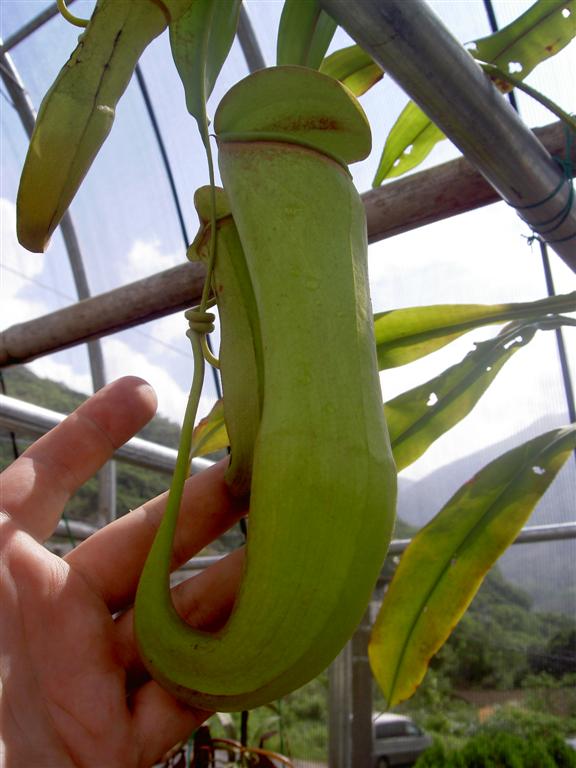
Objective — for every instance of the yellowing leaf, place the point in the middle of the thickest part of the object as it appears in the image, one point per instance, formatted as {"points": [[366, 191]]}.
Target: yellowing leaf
{"points": [[210, 434], [543, 30], [354, 68], [445, 564]]}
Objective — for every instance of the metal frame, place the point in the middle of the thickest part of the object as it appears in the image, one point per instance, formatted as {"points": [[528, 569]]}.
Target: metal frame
{"points": [[34, 421], [412, 45], [25, 110], [415, 48], [421, 198]]}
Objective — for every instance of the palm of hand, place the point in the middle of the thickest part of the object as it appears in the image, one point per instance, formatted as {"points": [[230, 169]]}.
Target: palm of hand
{"points": [[66, 663], [74, 691]]}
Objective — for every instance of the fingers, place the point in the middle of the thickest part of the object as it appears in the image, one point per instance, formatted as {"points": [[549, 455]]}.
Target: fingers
{"points": [[111, 560], [161, 721], [204, 601], [38, 484]]}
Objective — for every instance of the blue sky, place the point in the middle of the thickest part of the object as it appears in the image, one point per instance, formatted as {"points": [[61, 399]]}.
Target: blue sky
{"points": [[128, 229]]}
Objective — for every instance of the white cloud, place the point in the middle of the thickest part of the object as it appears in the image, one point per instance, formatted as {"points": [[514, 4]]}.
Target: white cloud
{"points": [[123, 360], [18, 268], [147, 258], [171, 327]]}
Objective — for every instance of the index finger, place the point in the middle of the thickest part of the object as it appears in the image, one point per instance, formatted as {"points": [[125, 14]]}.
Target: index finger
{"points": [[111, 559], [38, 484]]}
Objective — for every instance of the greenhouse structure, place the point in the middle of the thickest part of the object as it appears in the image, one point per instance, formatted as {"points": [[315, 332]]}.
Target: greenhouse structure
{"points": [[338, 240]]}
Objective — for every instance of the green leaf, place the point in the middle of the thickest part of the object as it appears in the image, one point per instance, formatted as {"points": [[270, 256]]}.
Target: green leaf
{"points": [[418, 417], [412, 138], [543, 30], [210, 433], [546, 28], [444, 565], [304, 33], [201, 38], [354, 68], [405, 335]]}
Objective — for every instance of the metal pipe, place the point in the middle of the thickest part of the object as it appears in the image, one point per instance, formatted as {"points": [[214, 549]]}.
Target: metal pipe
{"points": [[162, 294], [25, 418], [144, 456], [529, 535], [249, 42], [416, 49], [26, 112], [27, 29], [410, 202]]}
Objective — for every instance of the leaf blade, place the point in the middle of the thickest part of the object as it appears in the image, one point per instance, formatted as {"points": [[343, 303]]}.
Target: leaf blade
{"points": [[542, 31], [411, 139], [418, 417], [447, 560], [405, 335], [200, 39], [210, 435], [539, 33], [354, 68], [304, 34]]}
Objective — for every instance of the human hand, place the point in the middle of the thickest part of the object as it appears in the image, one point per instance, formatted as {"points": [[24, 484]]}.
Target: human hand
{"points": [[74, 691]]}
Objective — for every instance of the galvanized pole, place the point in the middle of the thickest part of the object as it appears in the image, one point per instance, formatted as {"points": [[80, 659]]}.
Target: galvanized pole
{"points": [[25, 110], [412, 45]]}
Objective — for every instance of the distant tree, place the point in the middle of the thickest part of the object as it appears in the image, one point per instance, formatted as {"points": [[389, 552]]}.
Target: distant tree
{"points": [[558, 658]]}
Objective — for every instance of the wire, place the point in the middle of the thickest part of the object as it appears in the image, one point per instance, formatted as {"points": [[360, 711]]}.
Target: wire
{"points": [[68, 297], [173, 189], [489, 8]]}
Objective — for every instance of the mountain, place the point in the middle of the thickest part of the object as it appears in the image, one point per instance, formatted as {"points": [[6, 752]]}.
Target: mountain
{"points": [[135, 485], [547, 571]]}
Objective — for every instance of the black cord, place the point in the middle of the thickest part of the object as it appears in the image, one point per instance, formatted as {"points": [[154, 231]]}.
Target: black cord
{"points": [[564, 367], [172, 184], [489, 8]]}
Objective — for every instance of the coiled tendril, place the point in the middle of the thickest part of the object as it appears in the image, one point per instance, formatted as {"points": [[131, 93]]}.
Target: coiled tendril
{"points": [[75, 20], [200, 325]]}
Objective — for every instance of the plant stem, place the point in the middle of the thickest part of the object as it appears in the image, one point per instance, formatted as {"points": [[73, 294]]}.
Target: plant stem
{"points": [[494, 71]]}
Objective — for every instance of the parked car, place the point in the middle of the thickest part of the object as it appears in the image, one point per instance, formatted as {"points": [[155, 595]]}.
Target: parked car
{"points": [[398, 741]]}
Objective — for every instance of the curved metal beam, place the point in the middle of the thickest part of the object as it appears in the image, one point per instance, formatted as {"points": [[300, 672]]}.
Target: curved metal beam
{"points": [[416, 49], [25, 110]]}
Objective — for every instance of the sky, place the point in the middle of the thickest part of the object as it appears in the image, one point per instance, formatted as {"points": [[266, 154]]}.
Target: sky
{"points": [[128, 230]]}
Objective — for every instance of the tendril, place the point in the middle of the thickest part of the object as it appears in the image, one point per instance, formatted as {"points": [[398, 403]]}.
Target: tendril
{"points": [[75, 20], [201, 324]]}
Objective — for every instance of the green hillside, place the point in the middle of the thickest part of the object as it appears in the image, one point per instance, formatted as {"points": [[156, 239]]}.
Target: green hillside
{"points": [[135, 485]]}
